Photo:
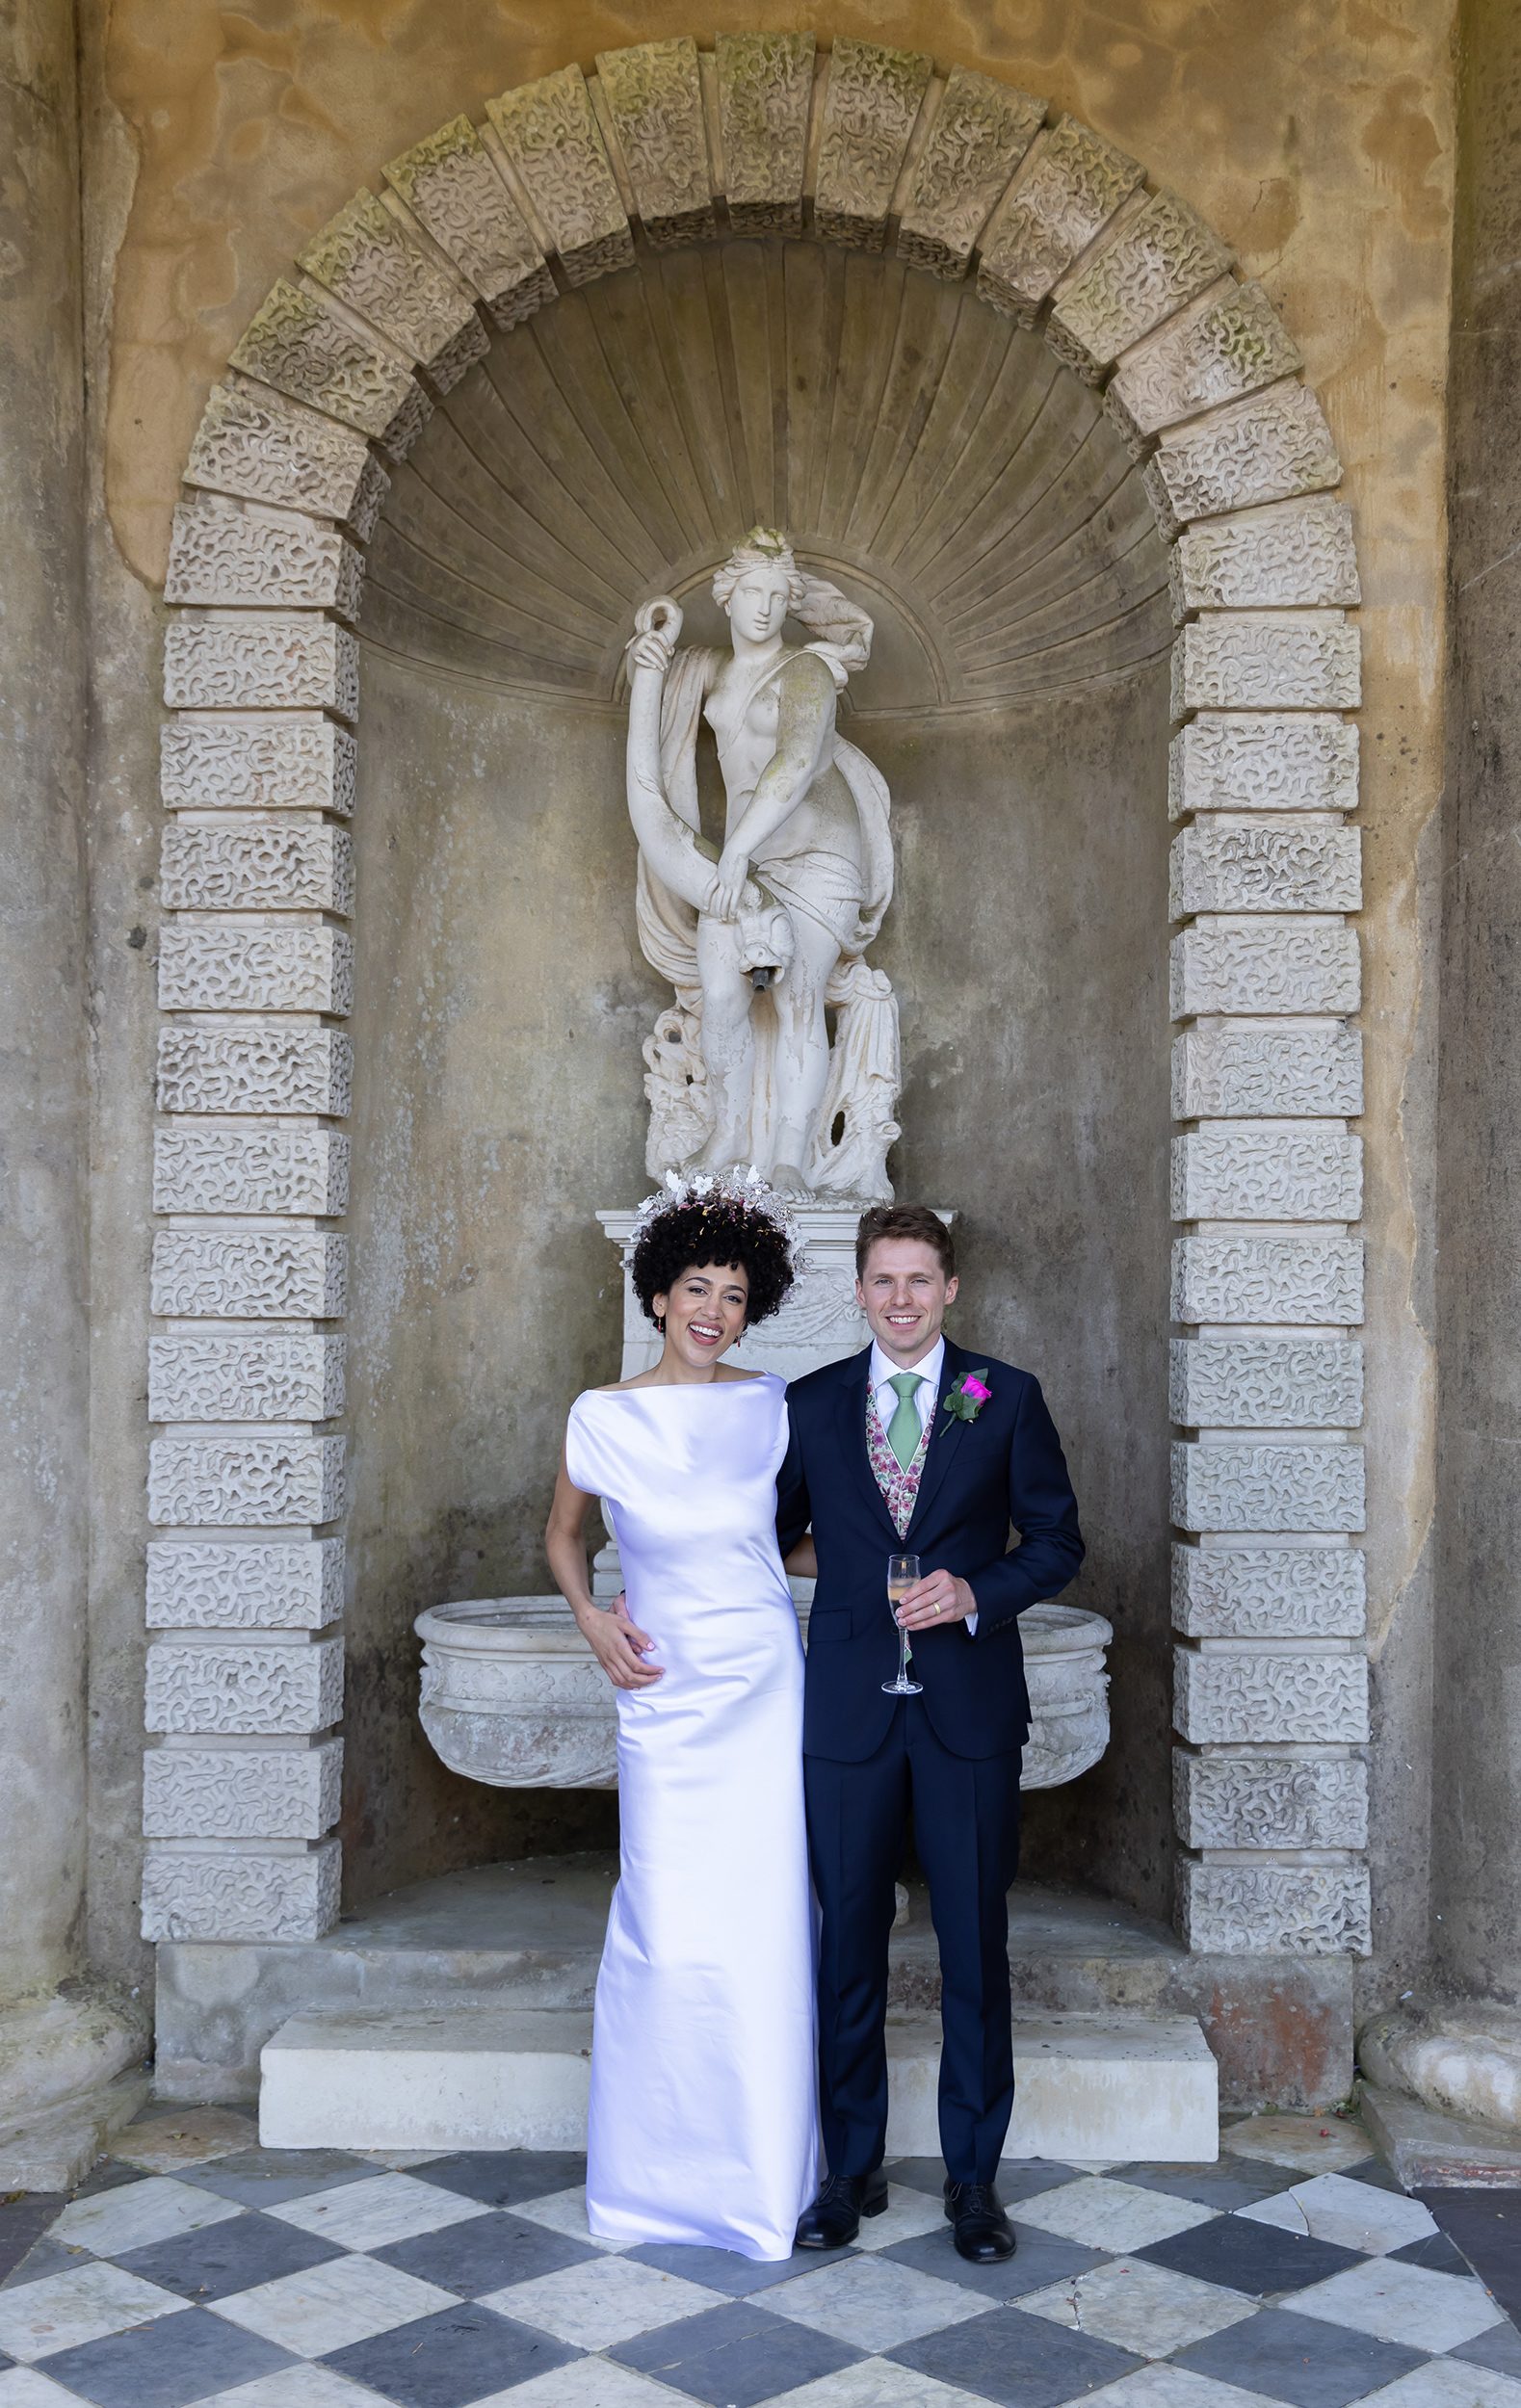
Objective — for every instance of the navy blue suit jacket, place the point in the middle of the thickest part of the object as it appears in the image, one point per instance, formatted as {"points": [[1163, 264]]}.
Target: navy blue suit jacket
{"points": [[1005, 1467]]}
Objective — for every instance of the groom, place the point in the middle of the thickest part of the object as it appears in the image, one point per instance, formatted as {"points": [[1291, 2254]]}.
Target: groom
{"points": [[917, 1445]]}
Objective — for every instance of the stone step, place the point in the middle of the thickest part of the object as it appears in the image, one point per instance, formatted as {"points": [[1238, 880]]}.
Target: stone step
{"points": [[473, 2076]]}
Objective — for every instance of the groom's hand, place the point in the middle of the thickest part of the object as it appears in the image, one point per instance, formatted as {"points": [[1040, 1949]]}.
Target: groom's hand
{"points": [[939, 1597]]}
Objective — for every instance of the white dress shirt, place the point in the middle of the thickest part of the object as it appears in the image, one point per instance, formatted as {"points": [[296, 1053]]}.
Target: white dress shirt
{"points": [[930, 1367]]}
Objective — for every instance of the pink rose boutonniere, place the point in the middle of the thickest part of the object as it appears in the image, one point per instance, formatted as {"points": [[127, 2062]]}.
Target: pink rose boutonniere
{"points": [[968, 1396]]}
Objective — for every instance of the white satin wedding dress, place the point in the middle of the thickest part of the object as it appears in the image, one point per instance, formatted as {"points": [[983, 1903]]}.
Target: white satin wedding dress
{"points": [[703, 2124]]}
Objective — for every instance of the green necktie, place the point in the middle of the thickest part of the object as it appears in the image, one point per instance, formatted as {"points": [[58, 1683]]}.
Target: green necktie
{"points": [[904, 1432]]}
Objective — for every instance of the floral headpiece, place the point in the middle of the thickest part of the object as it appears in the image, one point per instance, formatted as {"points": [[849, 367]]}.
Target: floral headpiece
{"points": [[725, 1194]]}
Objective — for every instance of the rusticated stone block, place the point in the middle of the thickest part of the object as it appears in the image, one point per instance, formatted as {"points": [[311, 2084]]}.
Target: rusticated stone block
{"points": [[249, 1274], [1235, 1071], [1304, 1279], [1269, 1801], [249, 1171], [1226, 1485], [1227, 343], [234, 1688], [871, 105], [765, 86], [982, 130], [261, 659], [256, 865], [549, 133], [241, 1793], [1266, 1383], [1306, 1910], [256, 443], [1152, 260], [217, 1482], [308, 967], [365, 255], [1265, 1170], [1233, 864], [654, 97], [240, 1583], [301, 343], [252, 1066], [1264, 965], [1267, 661], [246, 1375], [1269, 1593], [1265, 448], [1244, 1695], [1070, 186], [1262, 761], [451, 185], [225, 553], [1288, 556], [245, 761], [230, 1892]]}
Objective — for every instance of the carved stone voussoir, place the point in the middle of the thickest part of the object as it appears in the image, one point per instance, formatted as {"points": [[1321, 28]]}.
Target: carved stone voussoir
{"points": [[307, 966], [765, 85], [1230, 1485], [198, 1170], [1231, 1072], [246, 1375], [1287, 556], [1070, 186], [1267, 661], [1242, 1696], [1262, 761], [1269, 1592], [301, 343], [365, 255], [1264, 965], [870, 108], [244, 1584], [255, 1481], [261, 659], [1304, 1910], [451, 185], [1236, 864], [227, 553], [654, 96], [1304, 1279], [980, 132], [1266, 1383], [237, 1894], [256, 443], [1228, 343], [1149, 267], [262, 865], [1260, 1171], [257, 1066], [549, 132], [1270, 446], [241, 1793], [1269, 1801], [298, 760], [249, 1274]]}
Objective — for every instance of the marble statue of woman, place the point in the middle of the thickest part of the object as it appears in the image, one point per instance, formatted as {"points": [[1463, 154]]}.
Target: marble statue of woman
{"points": [[766, 938]]}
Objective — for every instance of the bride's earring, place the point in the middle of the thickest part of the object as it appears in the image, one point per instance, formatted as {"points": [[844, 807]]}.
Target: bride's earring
{"points": [[659, 1324]]}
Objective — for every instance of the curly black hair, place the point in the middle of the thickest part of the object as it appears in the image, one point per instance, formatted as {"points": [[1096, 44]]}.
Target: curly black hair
{"points": [[720, 1232]]}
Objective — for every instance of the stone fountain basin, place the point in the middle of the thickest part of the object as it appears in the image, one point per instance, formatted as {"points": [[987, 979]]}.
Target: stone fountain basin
{"points": [[511, 1695]]}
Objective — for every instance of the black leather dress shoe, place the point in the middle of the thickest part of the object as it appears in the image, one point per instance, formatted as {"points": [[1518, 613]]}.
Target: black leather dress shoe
{"points": [[836, 2215], [979, 2228]]}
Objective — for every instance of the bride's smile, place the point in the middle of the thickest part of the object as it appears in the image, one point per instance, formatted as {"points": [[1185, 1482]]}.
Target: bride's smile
{"points": [[701, 1316]]}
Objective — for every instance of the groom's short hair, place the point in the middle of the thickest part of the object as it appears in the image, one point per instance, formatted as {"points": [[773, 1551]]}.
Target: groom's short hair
{"points": [[904, 1221]]}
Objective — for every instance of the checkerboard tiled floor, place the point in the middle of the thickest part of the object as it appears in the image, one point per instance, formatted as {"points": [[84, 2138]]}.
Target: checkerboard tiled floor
{"points": [[198, 2267]]}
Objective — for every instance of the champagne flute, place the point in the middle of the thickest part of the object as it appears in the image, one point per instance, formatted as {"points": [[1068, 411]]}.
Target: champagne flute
{"points": [[902, 1575]]}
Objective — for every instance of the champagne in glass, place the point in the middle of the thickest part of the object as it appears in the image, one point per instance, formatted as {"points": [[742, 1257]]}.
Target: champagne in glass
{"points": [[902, 1575]]}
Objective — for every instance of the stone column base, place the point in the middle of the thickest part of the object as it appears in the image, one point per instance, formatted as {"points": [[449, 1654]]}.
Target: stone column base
{"points": [[71, 2072]]}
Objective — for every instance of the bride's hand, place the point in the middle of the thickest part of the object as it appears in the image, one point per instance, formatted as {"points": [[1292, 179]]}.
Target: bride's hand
{"points": [[620, 1646]]}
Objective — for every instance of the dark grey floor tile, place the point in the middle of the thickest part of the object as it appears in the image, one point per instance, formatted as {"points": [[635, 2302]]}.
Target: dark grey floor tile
{"points": [[1022, 2178], [734, 2356], [1375, 2174], [445, 2360], [1041, 2258], [106, 2174], [725, 2270], [1487, 2226], [1250, 2257], [44, 2257], [165, 2364], [1435, 2252], [23, 2221], [1016, 2361], [1230, 2182], [485, 2253], [500, 2177], [265, 2178], [1300, 2358], [229, 2256], [1500, 2349]]}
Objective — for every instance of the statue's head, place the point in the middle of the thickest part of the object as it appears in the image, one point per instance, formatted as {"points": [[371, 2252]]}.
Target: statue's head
{"points": [[759, 584]]}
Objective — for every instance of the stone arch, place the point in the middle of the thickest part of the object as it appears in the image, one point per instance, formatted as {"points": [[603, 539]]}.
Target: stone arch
{"points": [[385, 309]]}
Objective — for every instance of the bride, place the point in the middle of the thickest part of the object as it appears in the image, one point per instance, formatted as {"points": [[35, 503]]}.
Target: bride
{"points": [[703, 2121]]}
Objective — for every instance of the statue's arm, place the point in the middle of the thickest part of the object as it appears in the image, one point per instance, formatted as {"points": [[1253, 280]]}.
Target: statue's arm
{"points": [[668, 843], [804, 730]]}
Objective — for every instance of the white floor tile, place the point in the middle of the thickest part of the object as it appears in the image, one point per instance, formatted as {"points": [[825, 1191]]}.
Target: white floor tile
{"points": [[1321, 2144], [1443, 2383], [349, 2299], [378, 2208], [589, 2383], [602, 2302], [1402, 2303], [564, 2211], [136, 2214], [62, 2311], [1106, 2214], [1356, 2216], [872, 2303], [1145, 2309], [877, 2383], [296, 2387], [906, 2214], [28, 2387], [1172, 2387]]}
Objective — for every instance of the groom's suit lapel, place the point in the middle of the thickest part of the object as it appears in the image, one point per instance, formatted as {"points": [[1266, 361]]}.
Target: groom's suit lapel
{"points": [[946, 1433], [851, 1428]]}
